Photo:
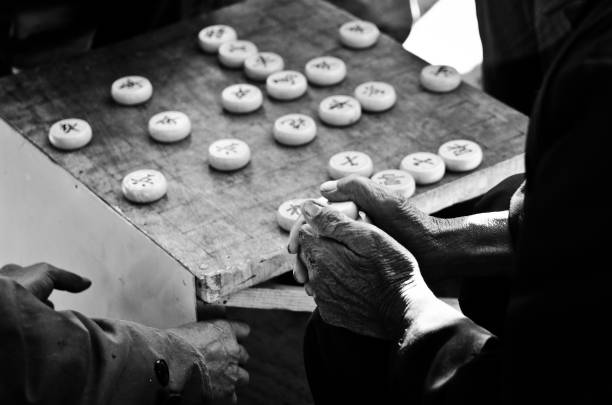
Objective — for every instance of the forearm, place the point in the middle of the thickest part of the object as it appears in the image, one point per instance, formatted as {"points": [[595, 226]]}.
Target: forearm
{"points": [[472, 246], [67, 358]]}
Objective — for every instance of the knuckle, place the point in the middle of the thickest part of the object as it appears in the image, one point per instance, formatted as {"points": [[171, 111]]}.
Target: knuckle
{"points": [[234, 351], [11, 267], [233, 370], [352, 179], [223, 326], [331, 219], [302, 234], [46, 268], [402, 204], [388, 199], [306, 255], [355, 184]]}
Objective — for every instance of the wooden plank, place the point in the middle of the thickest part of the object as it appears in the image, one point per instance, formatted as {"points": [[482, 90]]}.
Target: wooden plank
{"points": [[272, 295], [221, 226]]}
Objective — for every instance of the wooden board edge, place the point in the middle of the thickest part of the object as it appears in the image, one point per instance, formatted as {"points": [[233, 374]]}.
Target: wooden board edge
{"points": [[284, 297], [212, 286], [469, 186]]}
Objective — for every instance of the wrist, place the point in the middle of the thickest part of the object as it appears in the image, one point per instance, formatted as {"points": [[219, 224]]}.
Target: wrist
{"points": [[438, 235], [474, 245], [428, 315], [404, 301]]}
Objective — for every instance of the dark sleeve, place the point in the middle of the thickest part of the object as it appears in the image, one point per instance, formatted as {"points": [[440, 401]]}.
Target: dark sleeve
{"points": [[447, 362], [558, 319], [65, 358], [556, 343]]}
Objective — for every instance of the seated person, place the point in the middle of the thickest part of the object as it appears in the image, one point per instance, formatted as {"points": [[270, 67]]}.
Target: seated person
{"points": [[379, 333], [63, 357]]}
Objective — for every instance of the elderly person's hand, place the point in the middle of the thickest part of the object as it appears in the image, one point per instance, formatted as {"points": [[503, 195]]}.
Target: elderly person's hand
{"points": [[42, 278], [465, 246], [219, 342], [396, 215], [361, 278]]}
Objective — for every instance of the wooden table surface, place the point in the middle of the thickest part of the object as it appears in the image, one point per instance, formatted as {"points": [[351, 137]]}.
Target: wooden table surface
{"points": [[221, 226]]}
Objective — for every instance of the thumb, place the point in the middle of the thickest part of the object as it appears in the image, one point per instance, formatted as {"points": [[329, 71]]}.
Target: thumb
{"points": [[369, 196], [67, 281], [330, 223]]}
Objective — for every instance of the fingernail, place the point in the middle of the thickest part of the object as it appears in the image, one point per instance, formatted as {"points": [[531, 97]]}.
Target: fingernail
{"points": [[329, 186], [310, 209]]}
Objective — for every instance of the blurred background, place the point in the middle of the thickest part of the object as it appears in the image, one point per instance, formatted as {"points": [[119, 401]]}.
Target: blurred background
{"points": [[35, 32]]}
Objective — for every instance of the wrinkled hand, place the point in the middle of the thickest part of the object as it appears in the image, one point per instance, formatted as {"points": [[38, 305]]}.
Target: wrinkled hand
{"points": [[41, 279], [360, 277], [217, 341], [418, 232]]}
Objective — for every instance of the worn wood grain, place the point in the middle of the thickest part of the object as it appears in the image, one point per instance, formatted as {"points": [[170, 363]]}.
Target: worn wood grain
{"points": [[272, 295], [221, 226]]}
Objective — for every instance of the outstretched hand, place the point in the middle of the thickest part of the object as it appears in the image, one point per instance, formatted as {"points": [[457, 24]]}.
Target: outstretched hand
{"points": [[42, 278]]}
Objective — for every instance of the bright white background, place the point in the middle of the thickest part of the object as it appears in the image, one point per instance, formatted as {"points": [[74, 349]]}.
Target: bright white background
{"points": [[448, 34]]}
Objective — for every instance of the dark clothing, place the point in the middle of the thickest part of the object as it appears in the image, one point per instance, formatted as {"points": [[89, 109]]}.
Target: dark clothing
{"points": [[520, 39], [344, 367], [33, 32], [511, 70], [555, 322], [64, 358], [492, 290], [554, 348]]}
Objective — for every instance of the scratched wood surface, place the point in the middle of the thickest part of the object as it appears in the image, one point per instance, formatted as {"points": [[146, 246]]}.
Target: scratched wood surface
{"points": [[221, 226]]}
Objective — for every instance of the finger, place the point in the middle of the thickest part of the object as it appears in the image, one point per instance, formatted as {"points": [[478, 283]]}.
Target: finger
{"points": [[67, 281], [300, 274], [10, 268], [367, 194], [308, 289], [300, 271], [243, 377], [293, 245], [307, 255], [332, 224], [243, 355], [241, 329], [205, 311]]}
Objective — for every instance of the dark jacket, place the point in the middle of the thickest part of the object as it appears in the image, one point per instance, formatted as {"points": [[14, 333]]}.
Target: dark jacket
{"points": [[65, 358], [555, 347]]}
